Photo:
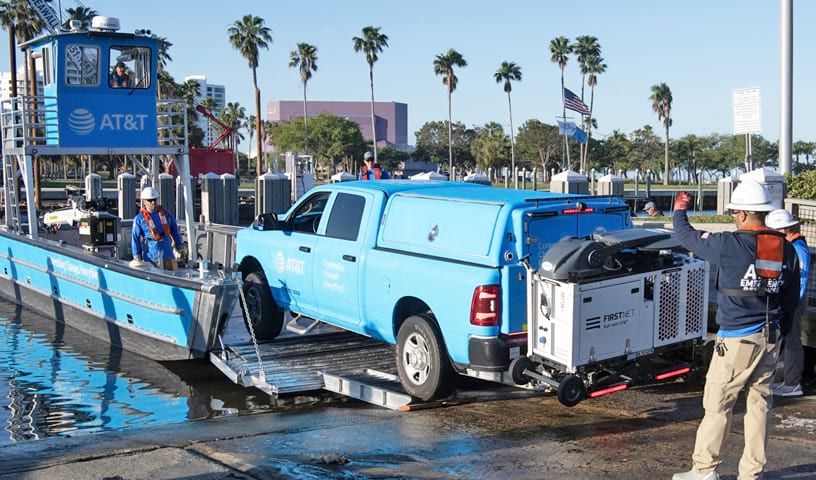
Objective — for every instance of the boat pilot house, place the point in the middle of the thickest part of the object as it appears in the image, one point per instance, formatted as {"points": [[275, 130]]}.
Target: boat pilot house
{"points": [[99, 87]]}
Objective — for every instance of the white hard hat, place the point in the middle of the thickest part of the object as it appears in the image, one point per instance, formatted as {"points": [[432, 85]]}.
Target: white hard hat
{"points": [[368, 155], [649, 205], [780, 218], [149, 193], [750, 197]]}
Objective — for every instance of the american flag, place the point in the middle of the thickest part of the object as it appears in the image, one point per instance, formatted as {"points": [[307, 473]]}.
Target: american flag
{"points": [[572, 102]]}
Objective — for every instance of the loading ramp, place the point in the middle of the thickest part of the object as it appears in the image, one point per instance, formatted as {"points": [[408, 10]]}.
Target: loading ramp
{"points": [[340, 362]]}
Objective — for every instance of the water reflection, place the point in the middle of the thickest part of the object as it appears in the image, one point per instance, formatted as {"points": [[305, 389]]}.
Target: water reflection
{"points": [[57, 381]]}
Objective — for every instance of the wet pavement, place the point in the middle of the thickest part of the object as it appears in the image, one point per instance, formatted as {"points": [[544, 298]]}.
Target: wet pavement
{"points": [[642, 433]]}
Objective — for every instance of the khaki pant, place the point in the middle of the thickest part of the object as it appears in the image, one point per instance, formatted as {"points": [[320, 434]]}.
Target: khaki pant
{"points": [[749, 362]]}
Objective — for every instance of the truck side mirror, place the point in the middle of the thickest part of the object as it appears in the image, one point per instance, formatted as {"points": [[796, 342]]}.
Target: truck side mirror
{"points": [[267, 221]]}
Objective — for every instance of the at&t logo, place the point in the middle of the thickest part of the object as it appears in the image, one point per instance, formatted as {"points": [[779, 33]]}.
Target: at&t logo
{"points": [[82, 122]]}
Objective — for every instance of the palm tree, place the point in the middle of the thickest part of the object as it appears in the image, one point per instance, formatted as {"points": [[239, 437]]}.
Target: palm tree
{"points": [[304, 58], [248, 35], [661, 103], [83, 14], [165, 80], [250, 126], [210, 105], [507, 72], [594, 67], [8, 17], [560, 48], [443, 65], [585, 48], [371, 43]]}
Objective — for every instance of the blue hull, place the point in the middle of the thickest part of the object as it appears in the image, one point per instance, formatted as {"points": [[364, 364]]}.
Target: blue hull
{"points": [[152, 313]]}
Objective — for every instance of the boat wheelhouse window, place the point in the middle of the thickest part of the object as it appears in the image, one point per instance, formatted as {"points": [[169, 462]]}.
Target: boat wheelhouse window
{"points": [[81, 65], [130, 67], [47, 66]]}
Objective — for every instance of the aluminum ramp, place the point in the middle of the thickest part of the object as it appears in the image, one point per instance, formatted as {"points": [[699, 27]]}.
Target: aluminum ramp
{"points": [[340, 362]]}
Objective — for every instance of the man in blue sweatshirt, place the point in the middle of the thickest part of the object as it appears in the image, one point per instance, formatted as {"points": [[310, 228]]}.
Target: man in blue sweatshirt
{"points": [[792, 354], [757, 293]]}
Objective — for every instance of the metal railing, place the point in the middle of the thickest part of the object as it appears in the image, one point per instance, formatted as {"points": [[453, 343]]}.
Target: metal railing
{"points": [[29, 120], [805, 210], [171, 121]]}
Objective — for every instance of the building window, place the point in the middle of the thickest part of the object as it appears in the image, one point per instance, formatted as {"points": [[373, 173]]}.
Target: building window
{"points": [[130, 67], [81, 65]]}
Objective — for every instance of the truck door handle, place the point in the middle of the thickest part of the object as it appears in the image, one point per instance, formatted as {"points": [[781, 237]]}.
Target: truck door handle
{"points": [[349, 258], [305, 249]]}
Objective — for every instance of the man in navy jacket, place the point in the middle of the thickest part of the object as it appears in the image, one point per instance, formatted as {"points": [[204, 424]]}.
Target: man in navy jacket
{"points": [[757, 293]]}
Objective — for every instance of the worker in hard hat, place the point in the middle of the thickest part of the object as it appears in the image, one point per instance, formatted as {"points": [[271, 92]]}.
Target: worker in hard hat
{"points": [[792, 354], [371, 170], [156, 238], [757, 293]]}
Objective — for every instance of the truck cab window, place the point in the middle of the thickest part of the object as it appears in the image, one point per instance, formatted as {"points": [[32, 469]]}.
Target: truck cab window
{"points": [[82, 65], [129, 67], [345, 217], [307, 217]]}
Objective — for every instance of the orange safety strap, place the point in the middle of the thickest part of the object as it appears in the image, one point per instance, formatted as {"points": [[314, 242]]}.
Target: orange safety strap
{"points": [[152, 225]]}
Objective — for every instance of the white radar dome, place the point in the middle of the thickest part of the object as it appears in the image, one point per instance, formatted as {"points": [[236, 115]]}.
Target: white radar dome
{"points": [[110, 24]]}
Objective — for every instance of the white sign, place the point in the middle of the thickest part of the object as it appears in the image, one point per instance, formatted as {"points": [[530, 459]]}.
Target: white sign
{"points": [[747, 110]]}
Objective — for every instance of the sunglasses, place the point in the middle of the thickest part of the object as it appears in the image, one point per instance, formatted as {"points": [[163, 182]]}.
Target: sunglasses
{"points": [[150, 200]]}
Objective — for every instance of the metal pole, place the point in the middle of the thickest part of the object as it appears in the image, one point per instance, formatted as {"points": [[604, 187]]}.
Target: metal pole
{"points": [[785, 85]]}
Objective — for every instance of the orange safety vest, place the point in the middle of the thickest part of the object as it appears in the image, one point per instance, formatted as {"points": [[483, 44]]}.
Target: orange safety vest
{"points": [[364, 172], [152, 225], [770, 251]]}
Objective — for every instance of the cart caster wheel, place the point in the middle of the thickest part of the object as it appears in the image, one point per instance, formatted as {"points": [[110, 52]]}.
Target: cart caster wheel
{"points": [[571, 390], [517, 368]]}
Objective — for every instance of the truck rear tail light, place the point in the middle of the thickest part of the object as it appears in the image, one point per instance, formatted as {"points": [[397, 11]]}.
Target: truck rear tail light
{"points": [[484, 307]]}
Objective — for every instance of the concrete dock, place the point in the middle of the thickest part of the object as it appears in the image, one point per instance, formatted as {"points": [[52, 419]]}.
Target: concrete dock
{"points": [[644, 433]]}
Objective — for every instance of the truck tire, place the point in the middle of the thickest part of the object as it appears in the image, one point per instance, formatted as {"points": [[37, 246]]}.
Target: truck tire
{"points": [[422, 360], [261, 310]]}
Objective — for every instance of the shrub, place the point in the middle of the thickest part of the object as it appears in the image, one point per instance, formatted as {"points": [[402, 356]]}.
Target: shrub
{"points": [[802, 185]]}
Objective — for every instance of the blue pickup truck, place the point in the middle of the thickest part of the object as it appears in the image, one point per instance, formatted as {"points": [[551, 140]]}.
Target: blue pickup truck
{"points": [[435, 268]]}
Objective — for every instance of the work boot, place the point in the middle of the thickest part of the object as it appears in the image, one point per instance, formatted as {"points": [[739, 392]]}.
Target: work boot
{"points": [[788, 390], [692, 475]]}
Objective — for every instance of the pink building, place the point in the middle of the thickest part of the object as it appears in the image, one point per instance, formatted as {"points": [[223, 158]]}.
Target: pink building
{"points": [[391, 117]]}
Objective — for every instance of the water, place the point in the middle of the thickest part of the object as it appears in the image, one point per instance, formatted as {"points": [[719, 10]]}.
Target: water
{"points": [[57, 381]]}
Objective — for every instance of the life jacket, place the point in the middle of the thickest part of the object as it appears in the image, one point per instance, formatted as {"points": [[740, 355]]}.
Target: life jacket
{"points": [[768, 261], [152, 225], [792, 237], [376, 169]]}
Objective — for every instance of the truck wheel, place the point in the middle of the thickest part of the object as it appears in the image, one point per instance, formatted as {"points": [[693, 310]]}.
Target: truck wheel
{"points": [[422, 360], [571, 390], [261, 311]]}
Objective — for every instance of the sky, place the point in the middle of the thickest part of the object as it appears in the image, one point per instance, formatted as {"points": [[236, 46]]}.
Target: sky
{"points": [[702, 50]]}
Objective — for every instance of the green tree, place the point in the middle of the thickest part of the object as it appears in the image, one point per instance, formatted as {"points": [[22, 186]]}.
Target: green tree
{"points": [[333, 139], [538, 144], [371, 44], [8, 17], [444, 64], [490, 147], [507, 72], [248, 36], [234, 116], [560, 48], [83, 14], [393, 159], [305, 60], [434, 140], [645, 151], [594, 67], [661, 104], [614, 152]]}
